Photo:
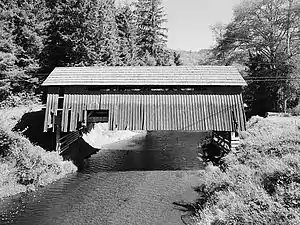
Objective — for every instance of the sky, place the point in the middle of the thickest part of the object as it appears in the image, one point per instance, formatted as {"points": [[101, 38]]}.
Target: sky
{"points": [[189, 21]]}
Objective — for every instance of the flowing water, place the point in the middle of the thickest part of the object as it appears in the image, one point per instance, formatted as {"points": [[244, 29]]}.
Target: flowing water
{"points": [[129, 182]]}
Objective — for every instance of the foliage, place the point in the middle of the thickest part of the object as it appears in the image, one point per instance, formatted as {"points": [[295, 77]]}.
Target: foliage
{"points": [[151, 36], [18, 99], [21, 35], [126, 36], [261, 184], [177, 59], [24, 166], [36, 36], [295, 111], [194, 58], [264, 35]]}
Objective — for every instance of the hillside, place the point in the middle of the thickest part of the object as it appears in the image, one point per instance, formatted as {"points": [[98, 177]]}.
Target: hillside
{"points": [[194, 58]]}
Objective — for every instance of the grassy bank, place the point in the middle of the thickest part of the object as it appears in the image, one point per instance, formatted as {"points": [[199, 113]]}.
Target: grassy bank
{"points": [[24, 166], [261, 180]]}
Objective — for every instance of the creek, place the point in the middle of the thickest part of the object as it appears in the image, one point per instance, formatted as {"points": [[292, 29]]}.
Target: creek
{"points": [[129, 182]]}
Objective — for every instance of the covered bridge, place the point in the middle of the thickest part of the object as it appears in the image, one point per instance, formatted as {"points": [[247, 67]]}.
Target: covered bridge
{"points": [[145, 98]]}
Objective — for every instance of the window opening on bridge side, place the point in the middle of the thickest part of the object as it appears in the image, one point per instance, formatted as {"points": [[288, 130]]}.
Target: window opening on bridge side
{"points": [[98, 116], [61, 93]]}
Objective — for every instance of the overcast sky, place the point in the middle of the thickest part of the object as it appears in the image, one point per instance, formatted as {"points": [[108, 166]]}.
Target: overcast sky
{"points": [[189, 21]]}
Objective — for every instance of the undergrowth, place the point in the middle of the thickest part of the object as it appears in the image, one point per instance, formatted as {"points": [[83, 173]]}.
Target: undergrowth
{"points": [[20, 99], [261, 183], [24, 166]]}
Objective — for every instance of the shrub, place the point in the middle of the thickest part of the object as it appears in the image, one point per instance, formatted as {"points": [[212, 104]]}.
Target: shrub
{"points": [[25, 166], [261, 183], [295, 111], [22, 98]]}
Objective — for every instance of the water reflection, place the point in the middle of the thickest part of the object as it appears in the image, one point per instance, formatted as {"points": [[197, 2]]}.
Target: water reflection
{"points": [[157, 151]]}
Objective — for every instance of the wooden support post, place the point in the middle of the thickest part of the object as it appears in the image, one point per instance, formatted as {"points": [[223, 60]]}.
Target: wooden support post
{"points": [[234, 136], [234, 140], [57, 138], [85, 118]]}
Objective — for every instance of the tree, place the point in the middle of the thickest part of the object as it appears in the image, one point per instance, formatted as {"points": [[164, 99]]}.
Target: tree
{"points": [[82, 33], [151, 34], [68, 34], [126, 35], [265, 35], [177, 59], [108, 39], [21, 35], [261, 27]]}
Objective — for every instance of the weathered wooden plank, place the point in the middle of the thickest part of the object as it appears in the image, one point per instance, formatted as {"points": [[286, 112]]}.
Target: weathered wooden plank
{"points": [[147, 113], [195, 112], [169, 114], [142, 111], [159, 111], [47, 113], [179, 114], [221, 117], [131, 114], [190, 113], [227, 111], [207, 113], [65, 113], [172, 112]]}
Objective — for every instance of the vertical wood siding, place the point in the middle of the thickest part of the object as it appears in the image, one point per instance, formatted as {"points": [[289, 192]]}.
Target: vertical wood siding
{"points": [[152, 111]]}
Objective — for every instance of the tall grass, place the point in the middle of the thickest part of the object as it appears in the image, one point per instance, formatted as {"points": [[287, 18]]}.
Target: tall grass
{"points": [[24, 166], [261, 184]]}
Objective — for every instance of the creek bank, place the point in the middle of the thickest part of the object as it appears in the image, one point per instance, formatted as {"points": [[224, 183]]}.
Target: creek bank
{"points": [[259, 181], [23, 165]]}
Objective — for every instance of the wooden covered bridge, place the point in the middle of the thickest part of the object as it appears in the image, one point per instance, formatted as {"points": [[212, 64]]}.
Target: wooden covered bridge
{"points": [[203, 98]]}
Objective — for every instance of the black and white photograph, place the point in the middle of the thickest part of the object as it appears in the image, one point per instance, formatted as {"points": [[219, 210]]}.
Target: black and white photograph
{"points": [[149, 112]]}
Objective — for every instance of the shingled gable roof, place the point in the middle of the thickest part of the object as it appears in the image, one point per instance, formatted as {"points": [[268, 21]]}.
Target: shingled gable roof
{"points": [[167, 75]]}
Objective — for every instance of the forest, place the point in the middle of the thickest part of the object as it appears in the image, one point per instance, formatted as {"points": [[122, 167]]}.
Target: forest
{"points": [[36, 36], [262, 40]]}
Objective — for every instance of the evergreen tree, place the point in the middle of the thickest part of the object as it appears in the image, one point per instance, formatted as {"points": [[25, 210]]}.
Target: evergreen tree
{"points": [[108, 40], [81, 33], [21, 38], [38, 35], [151, 35], [126, 36], [64, 42]]}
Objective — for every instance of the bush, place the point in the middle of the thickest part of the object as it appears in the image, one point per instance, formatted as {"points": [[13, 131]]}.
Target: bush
{"points": [[261, 183], [4, 90], [295, 111], [24, 166], [22, 98]]}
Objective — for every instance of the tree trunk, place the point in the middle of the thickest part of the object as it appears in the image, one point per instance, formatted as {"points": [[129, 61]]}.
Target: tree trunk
{"points": [[285, 105]]}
